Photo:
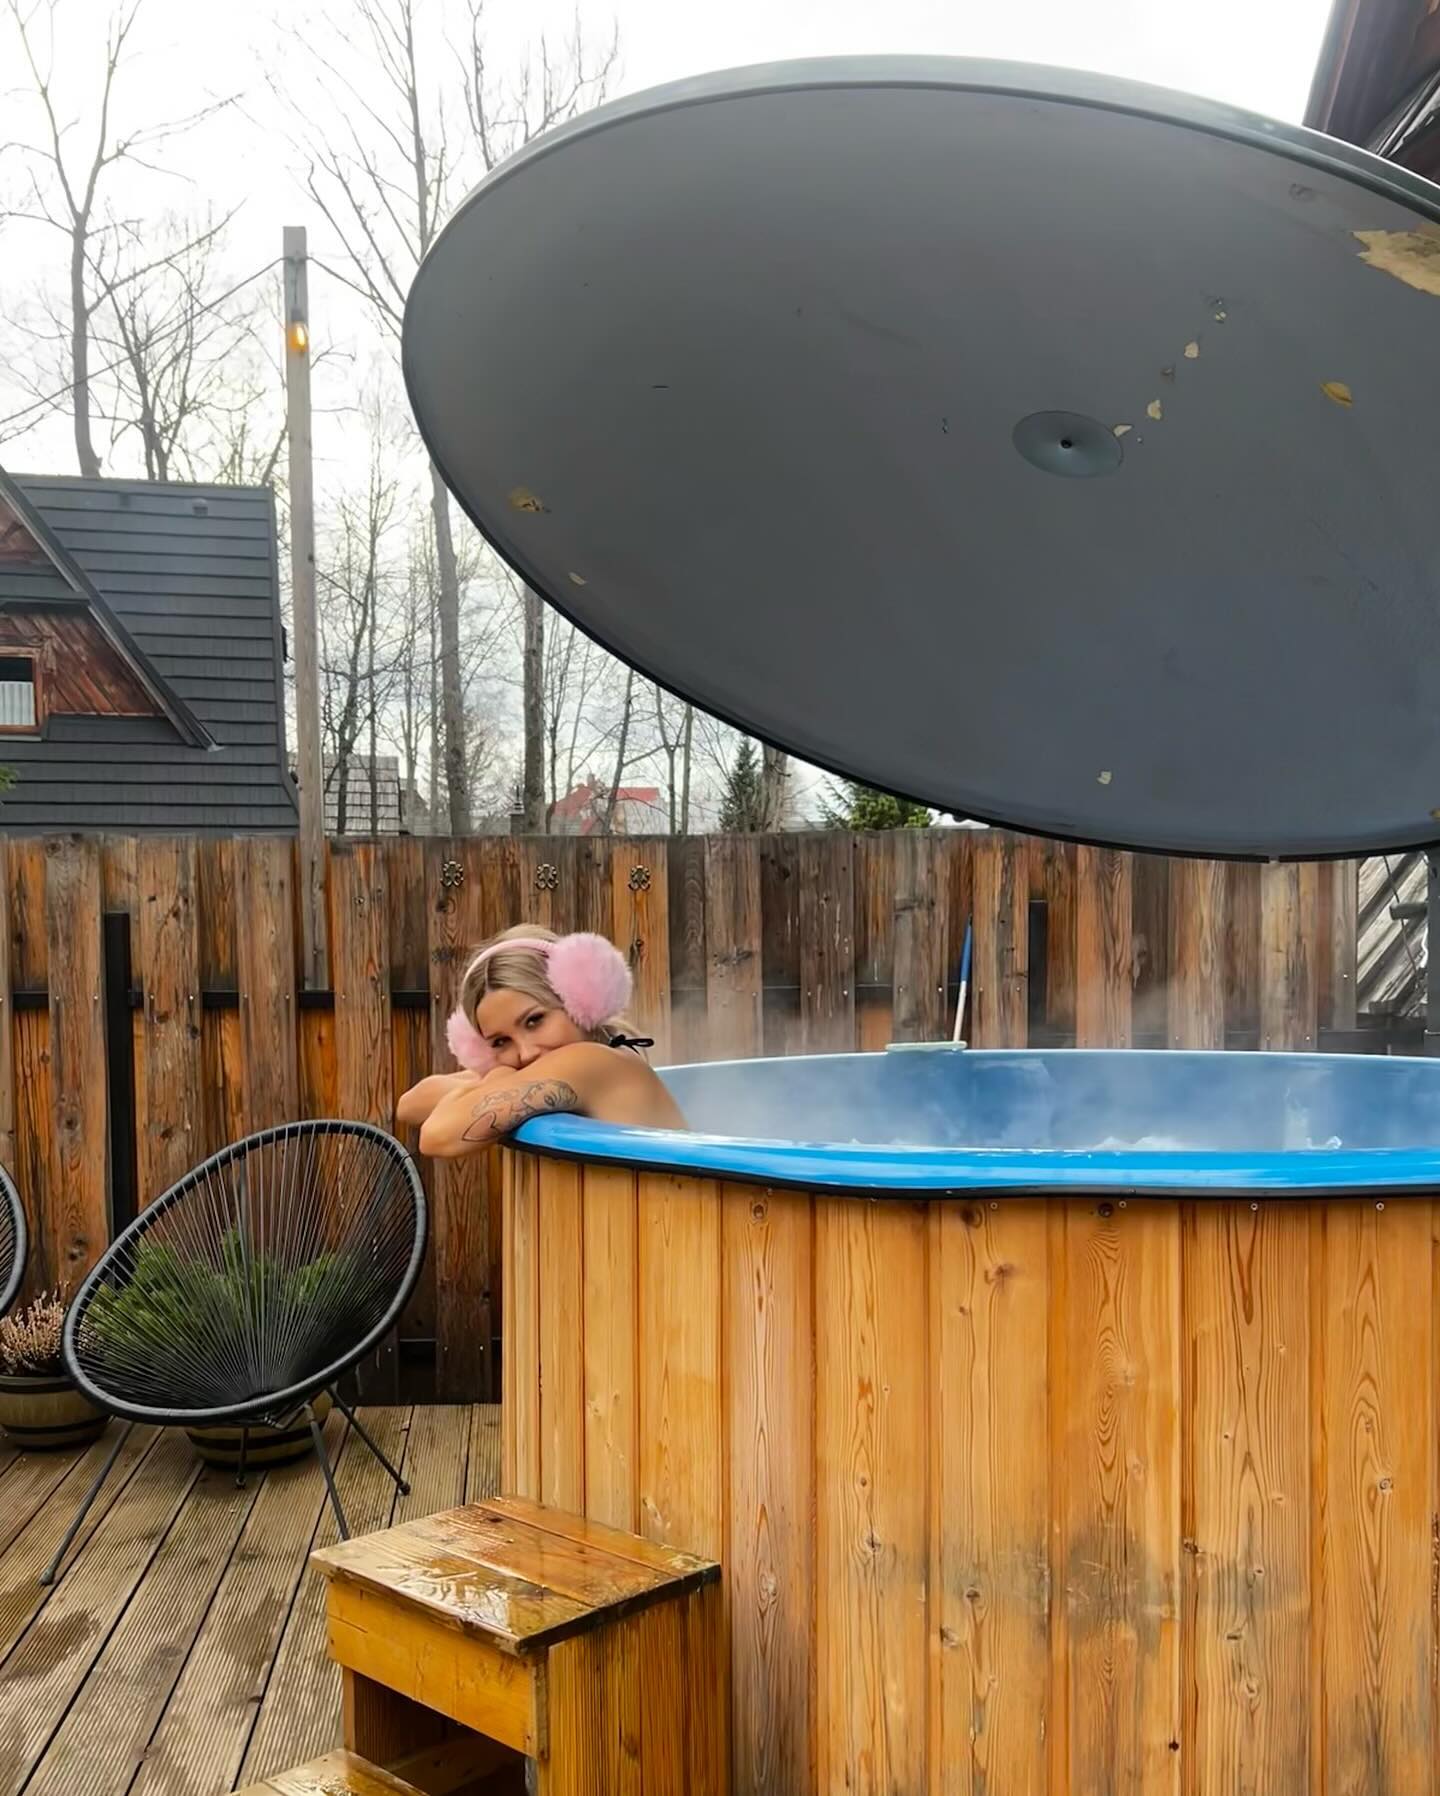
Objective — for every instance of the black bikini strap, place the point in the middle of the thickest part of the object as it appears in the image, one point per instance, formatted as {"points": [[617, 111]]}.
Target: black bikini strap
{"points": [[637, 1042]]}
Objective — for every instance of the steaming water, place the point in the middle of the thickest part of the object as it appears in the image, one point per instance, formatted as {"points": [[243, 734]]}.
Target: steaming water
{"points": [[1048, 1101]]}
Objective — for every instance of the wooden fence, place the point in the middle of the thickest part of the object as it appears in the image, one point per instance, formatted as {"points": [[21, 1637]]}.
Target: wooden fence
{"points": [[150, 1008]]}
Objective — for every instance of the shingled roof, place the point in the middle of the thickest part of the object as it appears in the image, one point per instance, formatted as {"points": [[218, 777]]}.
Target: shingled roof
{"points": [[182, 581]]}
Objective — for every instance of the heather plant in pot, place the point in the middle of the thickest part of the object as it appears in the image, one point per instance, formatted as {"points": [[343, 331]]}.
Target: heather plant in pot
{"points": [[39, 1407]]}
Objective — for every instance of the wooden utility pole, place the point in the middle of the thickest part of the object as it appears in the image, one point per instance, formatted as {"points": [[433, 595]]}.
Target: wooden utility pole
{"points": [[309, 768]]}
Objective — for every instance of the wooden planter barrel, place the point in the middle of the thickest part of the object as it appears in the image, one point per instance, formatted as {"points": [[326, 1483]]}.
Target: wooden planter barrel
{"points": [[1058, 1495], [47, 1414]]}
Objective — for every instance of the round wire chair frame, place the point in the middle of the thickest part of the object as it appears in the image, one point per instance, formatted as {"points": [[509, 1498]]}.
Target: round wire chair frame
{"points": [[20, 1240], [276, 1403]]}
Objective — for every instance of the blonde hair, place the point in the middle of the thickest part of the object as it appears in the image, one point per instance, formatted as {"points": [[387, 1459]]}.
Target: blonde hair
{"points": [[523, 970]]}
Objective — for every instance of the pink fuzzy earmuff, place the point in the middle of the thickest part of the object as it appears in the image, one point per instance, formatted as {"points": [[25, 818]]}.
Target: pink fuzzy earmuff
{"points": [[590, 977]]}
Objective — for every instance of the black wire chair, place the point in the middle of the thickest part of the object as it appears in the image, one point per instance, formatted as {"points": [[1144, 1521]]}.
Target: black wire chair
{"points": [[13, 1242], [249, 1288]]}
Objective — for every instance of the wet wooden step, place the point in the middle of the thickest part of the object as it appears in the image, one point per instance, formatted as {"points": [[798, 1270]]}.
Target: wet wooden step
{"points": [[516, 1574], [537, 1630], [335, 1774]]}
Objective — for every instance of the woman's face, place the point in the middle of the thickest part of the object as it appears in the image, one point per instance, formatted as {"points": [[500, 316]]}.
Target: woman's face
{"points": [[519, 1030]]}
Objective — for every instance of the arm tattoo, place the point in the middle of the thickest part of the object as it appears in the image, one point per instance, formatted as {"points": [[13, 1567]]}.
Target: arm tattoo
{"points": [[498, 1112]]}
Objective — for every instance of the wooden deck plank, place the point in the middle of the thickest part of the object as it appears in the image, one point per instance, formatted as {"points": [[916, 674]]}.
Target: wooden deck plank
{"points": [[482, 1467], [50, 1662], [21, 1597], [184, 1651], [34, 1477], [300, 1716], [198, 1746], [109, 1723], [437, 1447]]}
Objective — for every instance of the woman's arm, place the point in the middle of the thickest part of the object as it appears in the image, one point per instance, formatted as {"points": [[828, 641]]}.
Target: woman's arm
{"points": [[420, 1102], [571, 1079]]}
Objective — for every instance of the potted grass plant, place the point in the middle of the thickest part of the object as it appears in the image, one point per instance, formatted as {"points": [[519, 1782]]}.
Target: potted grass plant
{"points": [[173, 1306], [39, 1407]]}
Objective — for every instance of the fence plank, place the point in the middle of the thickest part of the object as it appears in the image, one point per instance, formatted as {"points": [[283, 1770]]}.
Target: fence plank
{"points": [[827, 943], [1103, 948], [461, 1251], [266, 966], [780, 935], [1344, 908], [7, 1028], [641, 885], [1061, 975], [79, 1212], [1288, 912], [171, 1134], [364, 1054], [359, 903], [874, 941], [1242, 949], [689, 1019], [1197, 954], [34, 1116], [1001, 955], [921, 938], [410, 1035], [734, 956], [1150, 946]]}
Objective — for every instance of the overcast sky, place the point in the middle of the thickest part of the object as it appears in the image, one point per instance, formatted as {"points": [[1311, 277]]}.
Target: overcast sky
{"points": [[1255, 53]]}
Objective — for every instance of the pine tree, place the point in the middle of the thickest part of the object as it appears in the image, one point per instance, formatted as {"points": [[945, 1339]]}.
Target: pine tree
{"points": [[742, 806], [853, 806]]}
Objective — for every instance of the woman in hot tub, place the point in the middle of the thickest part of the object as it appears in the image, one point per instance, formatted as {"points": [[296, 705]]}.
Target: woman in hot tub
{"points": [[540, 1028]]}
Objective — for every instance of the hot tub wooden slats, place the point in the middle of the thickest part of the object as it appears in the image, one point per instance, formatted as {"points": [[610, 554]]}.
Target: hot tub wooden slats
{"points": [[990, 1496], [1048, 1497], [679, 1429], [1377, 1558], [768, 1348], [1249, 1446]]}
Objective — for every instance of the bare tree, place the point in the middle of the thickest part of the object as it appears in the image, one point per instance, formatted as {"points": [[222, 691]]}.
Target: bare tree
{"points": [[774, 785], [355, 586], [384, 188], [613, 793], [548, 85], [675, 727], [65, 188], [189, 381], [532, 783]]}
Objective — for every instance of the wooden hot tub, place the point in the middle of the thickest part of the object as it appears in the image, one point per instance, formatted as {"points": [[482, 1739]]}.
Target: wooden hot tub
{"points": [[1033, 1465]]}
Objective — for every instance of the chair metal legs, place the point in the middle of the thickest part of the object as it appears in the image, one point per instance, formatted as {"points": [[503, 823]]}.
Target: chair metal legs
{"points": [[48, 1575], [360, 1429], [324, 1458]]}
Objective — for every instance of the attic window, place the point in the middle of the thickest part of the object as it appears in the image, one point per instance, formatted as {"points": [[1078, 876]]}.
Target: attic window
{"points": [[18, 548], [18, 707]]}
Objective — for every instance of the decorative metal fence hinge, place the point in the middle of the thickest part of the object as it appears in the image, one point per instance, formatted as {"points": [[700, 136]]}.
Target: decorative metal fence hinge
{"points": [[639, 879], [452, 875], [547, 877]]}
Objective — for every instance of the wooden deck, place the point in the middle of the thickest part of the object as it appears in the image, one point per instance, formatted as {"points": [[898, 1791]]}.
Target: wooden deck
{"points": [[183, 1651]]}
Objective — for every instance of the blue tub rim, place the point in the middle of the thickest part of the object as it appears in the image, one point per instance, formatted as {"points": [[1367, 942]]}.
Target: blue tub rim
{"points": [[937, 1171]]}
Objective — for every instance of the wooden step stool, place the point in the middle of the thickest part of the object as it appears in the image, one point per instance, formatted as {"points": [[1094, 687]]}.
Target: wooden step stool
{"points": [[450, 1770], [593, 1657]]}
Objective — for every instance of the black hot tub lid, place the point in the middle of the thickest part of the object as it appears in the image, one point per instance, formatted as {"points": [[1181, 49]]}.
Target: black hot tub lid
{"points": [[1051, 449]]}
